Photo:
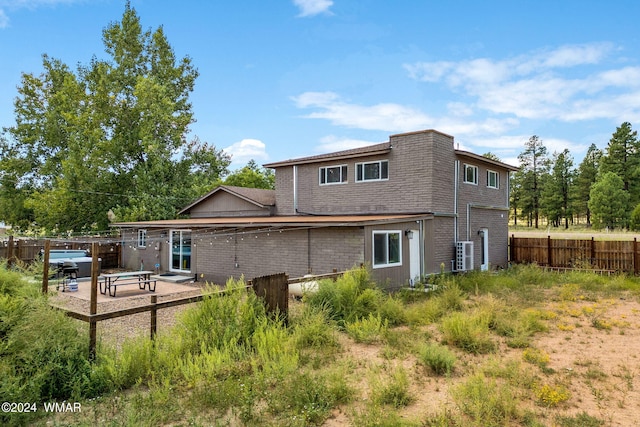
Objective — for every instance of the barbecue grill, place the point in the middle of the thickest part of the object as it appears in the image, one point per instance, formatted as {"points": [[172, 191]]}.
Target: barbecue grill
{"points": [[68, 272]]}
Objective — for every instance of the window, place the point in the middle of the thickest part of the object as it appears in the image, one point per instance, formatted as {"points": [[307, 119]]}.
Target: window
{"points": [[493, 179], [387, 249], [333, 175], [471, 174], [372, 171], [142, 238]]}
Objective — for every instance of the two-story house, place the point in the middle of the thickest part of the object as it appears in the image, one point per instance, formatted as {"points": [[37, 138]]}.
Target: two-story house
{"points": [[408, 207]]}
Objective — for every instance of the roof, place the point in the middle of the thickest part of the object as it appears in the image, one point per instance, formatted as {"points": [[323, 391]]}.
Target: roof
{"points": [[486, 160], [258, 196], [276, 221], [369, 150]]}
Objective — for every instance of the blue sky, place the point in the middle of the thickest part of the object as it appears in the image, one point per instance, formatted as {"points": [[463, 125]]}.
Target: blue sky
{"points": [[288, 78]]}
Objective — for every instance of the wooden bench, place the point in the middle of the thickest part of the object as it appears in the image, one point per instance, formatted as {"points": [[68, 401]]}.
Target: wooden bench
{"points": [[110, 282]]}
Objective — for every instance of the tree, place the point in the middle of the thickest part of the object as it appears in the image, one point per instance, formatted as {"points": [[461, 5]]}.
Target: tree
{"points": [[534, 164], [515, 193], [110, 136], [585, 177], [608, 201], [252, 176], [556, 194], [622, 157], [491, 156]]}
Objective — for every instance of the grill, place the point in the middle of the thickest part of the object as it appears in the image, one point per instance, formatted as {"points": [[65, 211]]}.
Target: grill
{"points": [[68, 271]]}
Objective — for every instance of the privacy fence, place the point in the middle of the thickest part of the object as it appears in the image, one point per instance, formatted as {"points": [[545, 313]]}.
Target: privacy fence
{"points": [[605, 255], [29, 250]]}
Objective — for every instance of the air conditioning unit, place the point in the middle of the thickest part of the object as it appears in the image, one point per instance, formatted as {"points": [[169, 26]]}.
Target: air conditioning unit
{"points": [[464, 256]]}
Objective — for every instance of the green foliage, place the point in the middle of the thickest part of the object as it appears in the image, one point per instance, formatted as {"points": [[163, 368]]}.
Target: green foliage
{"points": [[367, 329], [351, 297], [468, 331], [109, 136], [252, 176], [438, 358], [622, 157], [43, 353], [392, 389], [580, 420], [634, 222], [608, 202], [486, 402], [556, 195], [534, 165]]}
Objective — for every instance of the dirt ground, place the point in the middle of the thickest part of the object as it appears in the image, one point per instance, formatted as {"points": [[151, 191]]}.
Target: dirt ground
{"points": [[593, 348]]}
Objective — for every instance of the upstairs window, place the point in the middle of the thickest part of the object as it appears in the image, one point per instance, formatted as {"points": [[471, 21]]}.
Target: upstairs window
{"points": [[333, 175], [372, 171], [387, 251], [471, 174], [493, 179], [142, 238]]}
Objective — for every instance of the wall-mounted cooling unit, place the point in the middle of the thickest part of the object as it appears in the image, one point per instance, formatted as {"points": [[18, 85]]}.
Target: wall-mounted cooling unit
{"points": [[464, 256]]}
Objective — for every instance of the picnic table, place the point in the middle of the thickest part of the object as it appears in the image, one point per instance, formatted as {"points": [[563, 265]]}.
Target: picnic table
{"points": [[110, 281]]}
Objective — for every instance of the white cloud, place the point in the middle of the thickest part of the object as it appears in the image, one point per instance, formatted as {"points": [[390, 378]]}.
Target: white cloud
{"points": [[247, 149], [552, 84], [390, 117], [313, 7], [332, 143], [4, 19]]}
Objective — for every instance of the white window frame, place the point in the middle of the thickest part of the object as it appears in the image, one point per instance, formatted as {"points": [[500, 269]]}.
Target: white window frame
{"points": [[142, 238], [361, 166], [322, 173], [497, 175], [475, 174], [386, 233]]}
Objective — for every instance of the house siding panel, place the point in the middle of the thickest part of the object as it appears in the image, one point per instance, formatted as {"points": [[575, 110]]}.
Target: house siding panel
{"points": [[225, 204], [259, 253]]}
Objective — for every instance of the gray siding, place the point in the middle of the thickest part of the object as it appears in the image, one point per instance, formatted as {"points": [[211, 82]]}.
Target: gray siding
{"points": [[225, 204], [421, 179]]}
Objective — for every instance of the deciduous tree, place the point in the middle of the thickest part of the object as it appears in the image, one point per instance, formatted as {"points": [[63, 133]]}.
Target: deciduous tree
{"points": [[110, 136]]}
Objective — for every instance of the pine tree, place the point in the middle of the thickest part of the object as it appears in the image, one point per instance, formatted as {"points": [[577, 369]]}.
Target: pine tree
{"points": [[534, 163], [585, 177], [556, 194]]}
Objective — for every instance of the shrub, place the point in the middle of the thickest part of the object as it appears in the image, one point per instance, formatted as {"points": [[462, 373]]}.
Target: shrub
{"points": [[486, 402], [367, 330], [394, 391], [440, 359], [551, 395], [468, 331]]}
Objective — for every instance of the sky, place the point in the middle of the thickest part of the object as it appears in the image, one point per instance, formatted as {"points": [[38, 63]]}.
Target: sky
{"points": [[282, 79]]}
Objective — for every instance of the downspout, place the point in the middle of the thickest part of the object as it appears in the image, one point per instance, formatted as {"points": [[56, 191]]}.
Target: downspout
{"points": [[295, 189], [422, 251], [455, 201]]}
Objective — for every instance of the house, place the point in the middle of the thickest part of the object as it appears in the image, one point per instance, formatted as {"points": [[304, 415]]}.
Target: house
{"points": [[409, 207]]}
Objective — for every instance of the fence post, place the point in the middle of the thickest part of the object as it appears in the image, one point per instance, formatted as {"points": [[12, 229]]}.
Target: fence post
{"points": [[635, 256], [549, 257], [154, 316], [593, 252], [93, 306], [10, 252], [45, 267], [275, 291]]}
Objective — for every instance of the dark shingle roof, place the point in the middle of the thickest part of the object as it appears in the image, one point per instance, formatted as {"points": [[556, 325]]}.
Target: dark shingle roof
{"points": [[345, 154]]}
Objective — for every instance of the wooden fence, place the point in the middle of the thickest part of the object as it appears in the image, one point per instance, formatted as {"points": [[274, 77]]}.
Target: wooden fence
{"points": [[273, 289], [29, 250], [605, 255]]}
